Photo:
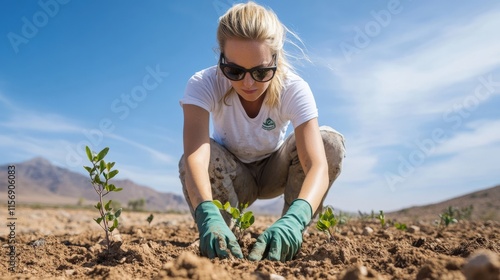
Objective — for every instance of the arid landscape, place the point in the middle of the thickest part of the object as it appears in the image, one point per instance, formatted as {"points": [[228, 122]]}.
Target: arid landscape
{"points": [[60, 240], [62, 243]]}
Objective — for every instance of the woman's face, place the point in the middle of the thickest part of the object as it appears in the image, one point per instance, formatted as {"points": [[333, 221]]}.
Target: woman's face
{"points": [[248, 54]]}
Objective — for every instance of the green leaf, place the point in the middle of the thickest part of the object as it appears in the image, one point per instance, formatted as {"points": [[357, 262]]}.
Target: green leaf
{"points": [[243, 206], [98, 206], [110, 216], [97, 179], [89, 169], [235, 212], [107, 206], [102, 166], [112, 174], [110, 165], [102, 154], [118, 213], [247, 219], [150, 218], [218, 204], [89, 153], [111, 188], [118, 189], [227, 206], [323, 225], [98, 220]]}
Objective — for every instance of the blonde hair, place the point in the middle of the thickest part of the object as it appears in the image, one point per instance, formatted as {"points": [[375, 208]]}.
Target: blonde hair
{"points": [[250, 21]]}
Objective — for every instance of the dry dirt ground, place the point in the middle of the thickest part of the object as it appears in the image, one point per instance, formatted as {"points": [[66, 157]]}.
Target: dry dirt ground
{"points": [[66, 244]]}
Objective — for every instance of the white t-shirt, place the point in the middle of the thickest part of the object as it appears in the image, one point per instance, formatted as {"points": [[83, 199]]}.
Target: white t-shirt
{"points": [[249, 139]]}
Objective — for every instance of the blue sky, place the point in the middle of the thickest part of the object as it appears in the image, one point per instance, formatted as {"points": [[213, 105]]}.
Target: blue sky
{"points": [[414, 88]]}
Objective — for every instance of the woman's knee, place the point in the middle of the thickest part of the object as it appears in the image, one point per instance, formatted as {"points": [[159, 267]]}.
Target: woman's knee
{"points": [[335, 151]]}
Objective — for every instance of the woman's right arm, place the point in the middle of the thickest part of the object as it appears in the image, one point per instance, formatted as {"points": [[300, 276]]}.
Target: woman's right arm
{"points": [[215, 236], [197, 153]]}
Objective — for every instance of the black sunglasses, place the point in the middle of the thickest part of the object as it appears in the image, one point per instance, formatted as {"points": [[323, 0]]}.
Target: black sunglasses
{"points": [[237, 73]]}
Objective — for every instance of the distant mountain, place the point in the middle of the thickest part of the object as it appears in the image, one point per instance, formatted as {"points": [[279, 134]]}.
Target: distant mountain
{"points": [[40, 182], [485, 203]]}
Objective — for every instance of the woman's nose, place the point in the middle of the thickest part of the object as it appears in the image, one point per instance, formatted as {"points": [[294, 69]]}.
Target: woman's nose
{"points": [[248, 80]]}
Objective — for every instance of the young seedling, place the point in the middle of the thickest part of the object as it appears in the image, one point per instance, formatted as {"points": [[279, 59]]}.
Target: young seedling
{"points": [[100, 173], [400, 226], [242, 219], [150, 218], [327, 222], [381, 218], [343, 218], [447, 218]]}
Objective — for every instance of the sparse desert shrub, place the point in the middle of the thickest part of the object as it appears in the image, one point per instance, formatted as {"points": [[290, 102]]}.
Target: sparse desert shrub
{"points": [[100, 174]]}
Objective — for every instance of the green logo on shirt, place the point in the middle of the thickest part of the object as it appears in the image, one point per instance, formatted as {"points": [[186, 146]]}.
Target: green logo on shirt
{"points": [[269, 124]]}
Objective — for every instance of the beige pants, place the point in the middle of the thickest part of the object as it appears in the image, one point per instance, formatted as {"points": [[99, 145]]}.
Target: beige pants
{"points": [[280, 173]]}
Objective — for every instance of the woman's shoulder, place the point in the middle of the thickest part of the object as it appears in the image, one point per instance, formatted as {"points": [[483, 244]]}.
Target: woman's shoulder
{"points": [[208, 79], [206, 74], [293, 80]]}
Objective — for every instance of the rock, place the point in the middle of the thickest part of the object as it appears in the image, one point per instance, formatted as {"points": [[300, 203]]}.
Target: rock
{"points": [[367, 231], [483, 264], [116, 236], [276, 277], [360, 273], [413, 229], [387, 236], [191, 266]]}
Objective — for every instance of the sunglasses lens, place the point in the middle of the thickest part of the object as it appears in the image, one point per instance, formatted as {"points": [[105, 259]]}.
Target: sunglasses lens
{"points": [[233, 73], [263, 74]]}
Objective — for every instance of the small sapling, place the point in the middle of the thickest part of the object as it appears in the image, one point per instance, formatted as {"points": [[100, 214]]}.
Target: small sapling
{"points": [[150, 218], [242, 219], [381, 218], [400, 226], [327, 222], [100, 173], [447, 217]]}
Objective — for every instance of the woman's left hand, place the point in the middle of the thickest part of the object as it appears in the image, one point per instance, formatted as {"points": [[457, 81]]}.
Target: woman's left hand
{"points": [[283, 239]]}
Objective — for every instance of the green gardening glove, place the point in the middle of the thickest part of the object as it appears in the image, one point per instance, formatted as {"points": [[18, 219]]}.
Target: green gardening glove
{"points": [[216, 239], [284, 238]]}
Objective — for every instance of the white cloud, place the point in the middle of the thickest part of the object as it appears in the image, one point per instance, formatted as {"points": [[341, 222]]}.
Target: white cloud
{"points": [[479, 134], [28, 147], [155, 154], [41, 122], [394, 91], [462, 172], [358, 161], [384, 86]]}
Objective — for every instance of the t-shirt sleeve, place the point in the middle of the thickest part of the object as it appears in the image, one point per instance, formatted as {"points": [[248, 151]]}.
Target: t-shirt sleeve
{"points": [[200, 90], [298, 102]]}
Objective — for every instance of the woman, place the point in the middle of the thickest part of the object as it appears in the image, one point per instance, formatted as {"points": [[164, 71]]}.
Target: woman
{"points": [[252, 96]]}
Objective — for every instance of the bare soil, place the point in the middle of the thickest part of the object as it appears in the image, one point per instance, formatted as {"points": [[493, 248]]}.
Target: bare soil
{"points": [[68, 244]]}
